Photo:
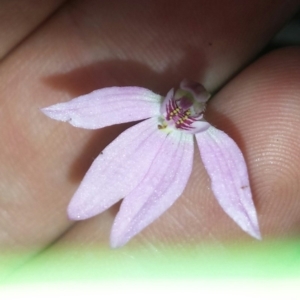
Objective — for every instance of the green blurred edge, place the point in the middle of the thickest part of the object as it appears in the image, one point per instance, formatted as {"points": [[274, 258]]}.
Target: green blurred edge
{"points": [[268, 260]]}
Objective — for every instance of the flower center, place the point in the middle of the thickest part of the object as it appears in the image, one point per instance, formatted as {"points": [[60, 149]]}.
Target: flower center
{"points": [[181, 113], [184, 109]]}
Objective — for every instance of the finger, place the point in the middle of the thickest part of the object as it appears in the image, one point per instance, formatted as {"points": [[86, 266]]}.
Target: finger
{"points": [[263, 116], [81, 48], [19, 18]]}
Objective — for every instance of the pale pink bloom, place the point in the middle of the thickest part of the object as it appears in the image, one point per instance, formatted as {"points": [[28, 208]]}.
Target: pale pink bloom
{"points": [[150, 163]]}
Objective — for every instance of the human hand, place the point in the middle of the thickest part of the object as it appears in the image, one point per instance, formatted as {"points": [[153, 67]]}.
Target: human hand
{"points": [[91, 44]]}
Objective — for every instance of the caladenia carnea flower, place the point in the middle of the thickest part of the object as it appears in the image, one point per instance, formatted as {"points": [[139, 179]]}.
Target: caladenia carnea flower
{"points": [[150, 163]]}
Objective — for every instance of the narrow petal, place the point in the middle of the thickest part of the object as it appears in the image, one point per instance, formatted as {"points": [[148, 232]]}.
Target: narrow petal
{"points": [[165, 103], [227, 169], [106, 107], [162, 185], [117, 170]]}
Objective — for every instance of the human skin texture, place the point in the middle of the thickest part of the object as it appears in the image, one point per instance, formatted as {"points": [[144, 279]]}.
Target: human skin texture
{"points": [[86, 45]]}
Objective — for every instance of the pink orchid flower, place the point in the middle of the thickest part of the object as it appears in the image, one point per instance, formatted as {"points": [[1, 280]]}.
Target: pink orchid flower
{"points": [[150, 163]]}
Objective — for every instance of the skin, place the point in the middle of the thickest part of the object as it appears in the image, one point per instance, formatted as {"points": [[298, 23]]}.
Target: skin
{"points": [[52, 53]]}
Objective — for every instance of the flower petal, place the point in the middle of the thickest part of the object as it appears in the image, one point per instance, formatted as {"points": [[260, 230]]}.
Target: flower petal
{"points": [[165, 102], [198, 126], [227, 169], [162, 185], [106, 107], [198, 91], [118, 170]]}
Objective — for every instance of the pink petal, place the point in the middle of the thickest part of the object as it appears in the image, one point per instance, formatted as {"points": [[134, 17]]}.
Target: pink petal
{"points": [[162, 185], [117, 170], [198, 91], [167, 99], [198, 126], [227, 169], [106, 107]]}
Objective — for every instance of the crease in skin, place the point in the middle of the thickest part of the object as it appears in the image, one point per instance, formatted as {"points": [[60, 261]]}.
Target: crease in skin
{"points": [[33, 256], [8, 49]]}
